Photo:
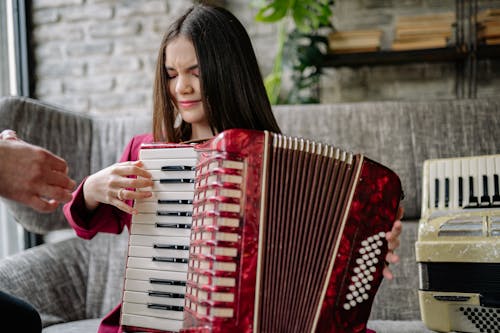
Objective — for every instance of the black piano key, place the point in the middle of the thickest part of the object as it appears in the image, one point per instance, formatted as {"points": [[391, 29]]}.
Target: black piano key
{"points": [[155, 293], [447, 192], [436, 193], [165, 307], [167, 282], [168, 213], [177, 202], [460, 191], [172, 260], [485, 198], [177, 168], [177, 181], [170, 247], [172, 225], [473, 200], [496, 194]]}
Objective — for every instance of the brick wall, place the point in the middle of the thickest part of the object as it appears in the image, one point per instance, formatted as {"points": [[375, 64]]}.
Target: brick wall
{"points": [[99, 55]]}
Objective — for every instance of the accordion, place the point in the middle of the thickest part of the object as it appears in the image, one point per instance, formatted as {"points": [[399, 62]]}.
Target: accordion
{"points": [[258, 232], [458, 246]]}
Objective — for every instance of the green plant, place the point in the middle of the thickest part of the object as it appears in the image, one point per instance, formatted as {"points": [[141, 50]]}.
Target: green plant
{"points": [[302, 49]]}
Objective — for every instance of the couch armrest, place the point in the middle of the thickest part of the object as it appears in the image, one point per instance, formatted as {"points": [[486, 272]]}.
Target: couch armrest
{"points": [[52, 277], [67, 134]]}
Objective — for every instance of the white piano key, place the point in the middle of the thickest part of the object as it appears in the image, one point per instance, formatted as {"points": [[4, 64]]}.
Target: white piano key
{"points": [[153, 207], [146, 274], [432, 184], [146, 240], [440, 169], [465, 177], [457, 172], [169, 187], [152, 322], [151, 229], [474, 172], [145, 285], [144, 298], [148, 263], [143, 310], [159, 163], [143, 218], [168, 196], [149, 252], [158, 174], [177, 153]]}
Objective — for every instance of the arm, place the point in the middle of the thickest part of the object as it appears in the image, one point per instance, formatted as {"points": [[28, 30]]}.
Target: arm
{"points": [[95, 206]]}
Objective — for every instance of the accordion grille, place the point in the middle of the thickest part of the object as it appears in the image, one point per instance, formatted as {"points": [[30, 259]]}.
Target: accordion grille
{"points": [[308, 185]]}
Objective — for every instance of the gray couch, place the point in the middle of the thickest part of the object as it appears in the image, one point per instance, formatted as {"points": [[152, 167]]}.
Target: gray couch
{"points": [[73, 282]]}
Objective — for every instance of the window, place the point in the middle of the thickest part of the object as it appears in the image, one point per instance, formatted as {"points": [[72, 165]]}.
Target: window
{"points": [[13, 81]]}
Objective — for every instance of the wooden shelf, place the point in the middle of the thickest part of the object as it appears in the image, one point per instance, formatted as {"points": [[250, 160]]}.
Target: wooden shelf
{"points": [[446, 54]]}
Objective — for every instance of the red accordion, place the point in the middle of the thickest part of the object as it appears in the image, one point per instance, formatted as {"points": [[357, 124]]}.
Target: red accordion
{"points": [[287, 235]]}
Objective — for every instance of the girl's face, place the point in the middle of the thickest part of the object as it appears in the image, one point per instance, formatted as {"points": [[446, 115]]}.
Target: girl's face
{"points": [[184, 85]]}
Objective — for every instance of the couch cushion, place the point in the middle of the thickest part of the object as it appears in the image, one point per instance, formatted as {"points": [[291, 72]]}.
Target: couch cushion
{"points": [[400, 135]]}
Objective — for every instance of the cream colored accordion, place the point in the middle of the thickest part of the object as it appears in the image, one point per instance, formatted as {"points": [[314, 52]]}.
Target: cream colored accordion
{"points": [[458, 246], [258, 232]]}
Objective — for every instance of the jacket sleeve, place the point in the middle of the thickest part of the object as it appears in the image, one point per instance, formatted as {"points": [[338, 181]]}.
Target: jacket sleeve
{"points": [[105, 218]]}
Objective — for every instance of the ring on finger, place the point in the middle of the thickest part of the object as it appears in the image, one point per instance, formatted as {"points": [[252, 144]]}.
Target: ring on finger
{"points": [[120, 195]]}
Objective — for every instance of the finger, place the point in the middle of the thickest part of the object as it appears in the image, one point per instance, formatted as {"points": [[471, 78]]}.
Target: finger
{"points": [[392, 257], [58, 194], [387, 273], [137, 182], [133, 195], [43, 206], [60, 179], [135, 169], [123, 206], [400, 213], [8, 135]]}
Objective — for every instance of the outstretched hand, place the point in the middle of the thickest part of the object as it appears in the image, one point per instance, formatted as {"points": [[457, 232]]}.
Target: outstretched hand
{"points": [[32, 175], [117, 183], [392, 238]]}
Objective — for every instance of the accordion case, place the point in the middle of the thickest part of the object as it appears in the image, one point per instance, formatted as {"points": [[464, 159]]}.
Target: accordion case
{"points": [[286, 235]]}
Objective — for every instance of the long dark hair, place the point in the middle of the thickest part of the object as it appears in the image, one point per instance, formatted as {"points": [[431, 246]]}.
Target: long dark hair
{"points": [[233, 93]]}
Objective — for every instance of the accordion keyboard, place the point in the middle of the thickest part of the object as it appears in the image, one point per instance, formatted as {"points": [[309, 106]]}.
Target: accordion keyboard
{"points": [[156, 272], [454, 184]]}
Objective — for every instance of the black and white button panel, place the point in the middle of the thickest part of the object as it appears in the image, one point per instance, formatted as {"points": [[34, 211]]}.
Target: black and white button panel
{"points": [[362, 274]]}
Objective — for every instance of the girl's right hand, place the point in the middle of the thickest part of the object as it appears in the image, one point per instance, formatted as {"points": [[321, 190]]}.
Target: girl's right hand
{"points": [[113, 185]]}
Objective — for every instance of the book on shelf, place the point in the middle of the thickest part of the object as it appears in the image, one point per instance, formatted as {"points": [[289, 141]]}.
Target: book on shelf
{"points": [[489, 29], [423, 31], [490, 14], [354, 41], [492, 41], [419, 43]]}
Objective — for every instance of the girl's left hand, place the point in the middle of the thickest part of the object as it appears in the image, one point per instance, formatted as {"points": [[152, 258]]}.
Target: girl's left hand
{"points": [[392, 238]]}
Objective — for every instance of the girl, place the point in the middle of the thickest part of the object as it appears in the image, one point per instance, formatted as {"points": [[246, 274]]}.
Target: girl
{"points": [[207, 80]]}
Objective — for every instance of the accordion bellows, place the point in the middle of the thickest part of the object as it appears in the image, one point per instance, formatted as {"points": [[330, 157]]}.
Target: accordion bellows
{"points": [[287, 235]]}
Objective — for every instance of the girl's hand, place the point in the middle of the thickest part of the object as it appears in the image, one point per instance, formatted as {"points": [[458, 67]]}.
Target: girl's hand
{"points": [[114, 185], [392, 238]]}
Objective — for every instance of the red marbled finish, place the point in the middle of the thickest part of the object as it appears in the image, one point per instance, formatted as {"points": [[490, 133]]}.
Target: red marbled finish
{"points": [[245, 145], [373, 209]]}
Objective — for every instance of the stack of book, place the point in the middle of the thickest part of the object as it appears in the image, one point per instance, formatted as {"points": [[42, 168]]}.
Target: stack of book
{"points": [[423, 31], [489, 26], [354, 41]]}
